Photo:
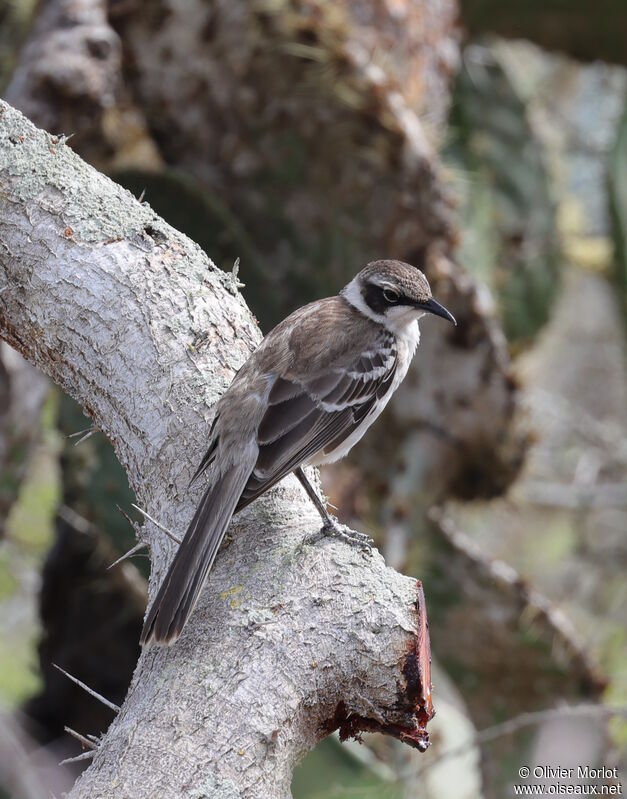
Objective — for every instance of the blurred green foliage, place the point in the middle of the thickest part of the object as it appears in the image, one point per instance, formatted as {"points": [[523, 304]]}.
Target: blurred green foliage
{"points": [[19, 667], [8, 583], [15, 20], [30, 523], [94, 483], [29, 533], [331, 772], [509, 234], [618, 206]]}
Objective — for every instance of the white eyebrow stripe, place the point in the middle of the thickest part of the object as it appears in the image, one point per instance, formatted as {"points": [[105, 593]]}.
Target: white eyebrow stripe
{"points": [[352, 295]]}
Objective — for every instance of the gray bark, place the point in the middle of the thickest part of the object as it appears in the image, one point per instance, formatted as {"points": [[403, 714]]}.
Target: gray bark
{"points": [[290, 640]]}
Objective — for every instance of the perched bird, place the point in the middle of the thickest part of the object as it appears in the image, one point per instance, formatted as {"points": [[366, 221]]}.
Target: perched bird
{"points": [[304, 397]]}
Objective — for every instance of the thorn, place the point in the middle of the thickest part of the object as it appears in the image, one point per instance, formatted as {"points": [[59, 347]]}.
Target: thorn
{"points": [[128, 554], [111, 705], [81, 738], [79, 432], [85, 434], [235, 273], [140, 199], [126, 516], [83, 756], [155, 522]]}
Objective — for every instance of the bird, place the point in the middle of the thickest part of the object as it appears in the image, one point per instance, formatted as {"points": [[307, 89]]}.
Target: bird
{"points": [[304, 397]]}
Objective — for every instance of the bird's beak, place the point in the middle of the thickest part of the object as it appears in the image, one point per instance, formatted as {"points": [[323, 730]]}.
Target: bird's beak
{"points": [[434, 307]]}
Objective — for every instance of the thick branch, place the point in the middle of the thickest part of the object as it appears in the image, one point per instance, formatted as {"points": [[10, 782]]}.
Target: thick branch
{"points": [[289, 640]]}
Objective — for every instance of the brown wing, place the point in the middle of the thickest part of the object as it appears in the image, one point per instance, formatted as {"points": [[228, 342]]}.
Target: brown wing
{"points": [[306, 416]]}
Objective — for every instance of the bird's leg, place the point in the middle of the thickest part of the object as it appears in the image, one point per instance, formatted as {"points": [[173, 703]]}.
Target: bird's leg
{"points": [[331, 526], [313, 496]]}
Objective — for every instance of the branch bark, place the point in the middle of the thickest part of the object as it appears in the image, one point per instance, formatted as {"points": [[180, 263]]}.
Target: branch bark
{"points": [[289, 641]]}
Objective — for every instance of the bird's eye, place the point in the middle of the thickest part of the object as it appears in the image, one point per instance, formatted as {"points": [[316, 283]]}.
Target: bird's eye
{"points": [[390, 296]]}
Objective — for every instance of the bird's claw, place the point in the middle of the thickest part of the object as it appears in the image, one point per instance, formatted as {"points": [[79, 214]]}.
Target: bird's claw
{"points": [[333, 529]]}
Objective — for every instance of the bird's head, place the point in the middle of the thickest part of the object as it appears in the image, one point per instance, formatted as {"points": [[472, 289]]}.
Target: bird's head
{"points": [[394, 294]]}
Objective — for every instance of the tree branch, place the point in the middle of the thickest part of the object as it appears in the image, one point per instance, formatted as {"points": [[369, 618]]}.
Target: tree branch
{"points": [[289, 641]]}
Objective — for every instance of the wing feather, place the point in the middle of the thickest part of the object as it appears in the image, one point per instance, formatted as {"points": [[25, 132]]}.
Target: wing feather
{"points": [[211, 452], [307, 415]]}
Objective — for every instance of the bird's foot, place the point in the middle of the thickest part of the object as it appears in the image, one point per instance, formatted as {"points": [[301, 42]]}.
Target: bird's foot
{"points": [[334, 529]]}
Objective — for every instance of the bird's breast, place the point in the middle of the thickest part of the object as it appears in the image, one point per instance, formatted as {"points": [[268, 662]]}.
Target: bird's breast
{"points": [[405, 349]]}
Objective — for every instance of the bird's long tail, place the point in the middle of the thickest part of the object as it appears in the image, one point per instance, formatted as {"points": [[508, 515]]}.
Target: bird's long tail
{"points": [[186, 576]]}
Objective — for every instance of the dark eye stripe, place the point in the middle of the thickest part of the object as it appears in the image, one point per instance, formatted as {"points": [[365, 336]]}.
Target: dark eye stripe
{"points": [[374, 297]]}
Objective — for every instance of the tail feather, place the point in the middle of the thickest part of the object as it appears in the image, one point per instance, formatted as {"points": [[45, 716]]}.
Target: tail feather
{"points": [[186, 576]]}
